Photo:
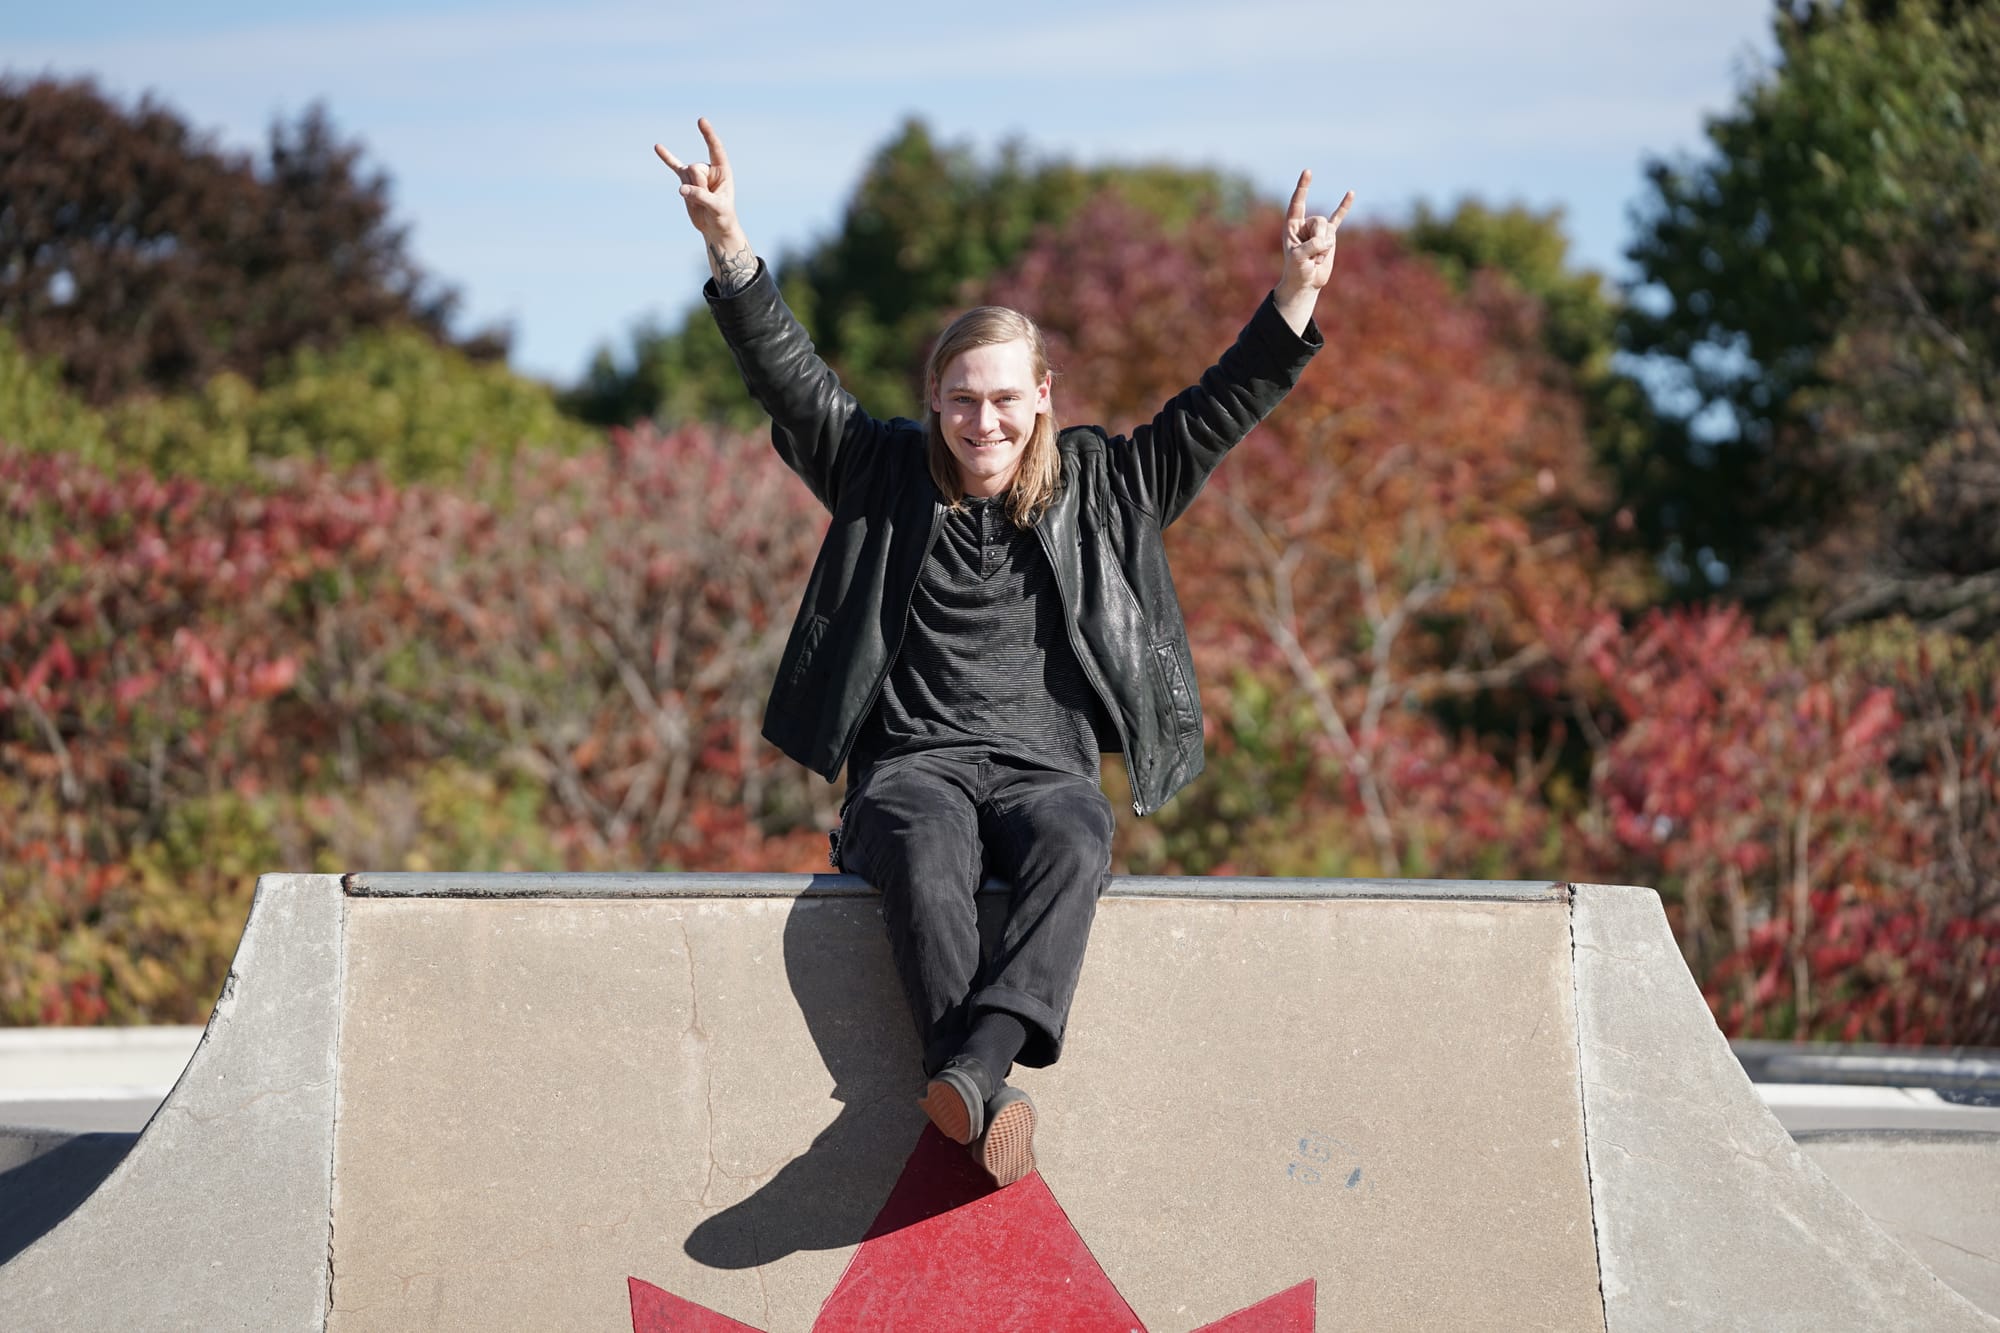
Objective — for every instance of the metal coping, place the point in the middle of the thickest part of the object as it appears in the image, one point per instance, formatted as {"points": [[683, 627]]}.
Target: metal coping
{"points": [[384, 884], [1954, 1069], [1985, 1140]]}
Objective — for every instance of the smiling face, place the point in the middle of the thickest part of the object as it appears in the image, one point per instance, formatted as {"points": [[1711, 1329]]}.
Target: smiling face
{"points": [[986, 400]]}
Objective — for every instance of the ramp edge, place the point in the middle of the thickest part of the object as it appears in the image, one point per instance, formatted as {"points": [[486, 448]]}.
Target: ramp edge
{"points": [[403, 884], [1707, 1213], [1590, 1171], [218, 1217]]}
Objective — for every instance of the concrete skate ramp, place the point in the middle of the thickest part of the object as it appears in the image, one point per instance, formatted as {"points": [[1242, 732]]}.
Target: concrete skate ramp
{"points": [[685, 1102], [1936, 1191]]}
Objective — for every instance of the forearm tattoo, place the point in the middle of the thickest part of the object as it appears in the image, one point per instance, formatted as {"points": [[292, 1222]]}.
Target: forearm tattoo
{"points": [[733, 271]]}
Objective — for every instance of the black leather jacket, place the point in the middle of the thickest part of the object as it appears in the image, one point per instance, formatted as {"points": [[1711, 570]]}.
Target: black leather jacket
{"points": [[1102, 536]]}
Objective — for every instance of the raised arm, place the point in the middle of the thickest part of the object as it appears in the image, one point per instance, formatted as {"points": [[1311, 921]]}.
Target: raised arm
{"points": [[709, 191], [816, 426], [1170, 458]]}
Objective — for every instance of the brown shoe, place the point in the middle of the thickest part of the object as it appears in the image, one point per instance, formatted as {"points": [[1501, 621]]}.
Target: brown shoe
{"points": [[953, 1103], [1007, 1148]]}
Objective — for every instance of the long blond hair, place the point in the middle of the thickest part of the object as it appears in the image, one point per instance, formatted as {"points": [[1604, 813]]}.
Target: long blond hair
{"points": [[1039, 477]]}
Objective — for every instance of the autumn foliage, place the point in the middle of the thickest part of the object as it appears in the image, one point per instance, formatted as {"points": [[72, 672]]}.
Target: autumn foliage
{"points": [[1830, 846], [1416, 661], [1419, 662], [1400, 535], [336, 672]]}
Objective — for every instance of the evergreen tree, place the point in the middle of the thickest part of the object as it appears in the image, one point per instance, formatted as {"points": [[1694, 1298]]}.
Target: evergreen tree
{"points": [[1817, 314]]}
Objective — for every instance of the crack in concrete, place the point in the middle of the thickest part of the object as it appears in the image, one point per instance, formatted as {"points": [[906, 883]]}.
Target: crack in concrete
{"points": [[1763, 1159], [338, 989], [1605, 1046], [699, 1034], [1970, 1254], [737, 1178], [1582, 947], [1593, 1188], [1631, 1154], [763, 1287], [402, 1280], [242, 1106]]}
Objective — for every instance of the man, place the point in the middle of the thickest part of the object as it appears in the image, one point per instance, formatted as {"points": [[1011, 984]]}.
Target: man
{"points": [[990, 611]]}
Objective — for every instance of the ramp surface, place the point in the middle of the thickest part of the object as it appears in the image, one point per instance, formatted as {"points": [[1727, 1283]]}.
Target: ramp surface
{"points": [[688, 1102], [1936, 1191]]}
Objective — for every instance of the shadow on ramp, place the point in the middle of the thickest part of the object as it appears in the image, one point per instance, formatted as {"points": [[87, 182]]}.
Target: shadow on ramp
{"points": [[828, 1196], [38, 1194]]}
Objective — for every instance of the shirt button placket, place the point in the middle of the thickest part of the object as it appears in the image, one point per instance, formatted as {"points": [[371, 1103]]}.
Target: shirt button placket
{"points": [[989, 540]]}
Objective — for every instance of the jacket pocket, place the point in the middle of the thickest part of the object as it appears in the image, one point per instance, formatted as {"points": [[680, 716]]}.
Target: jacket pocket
{"points": [[801, 653], [1178, 691]]}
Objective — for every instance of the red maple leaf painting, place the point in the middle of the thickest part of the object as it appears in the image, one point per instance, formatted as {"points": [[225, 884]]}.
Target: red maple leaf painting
{"points": [[949, 1251]]}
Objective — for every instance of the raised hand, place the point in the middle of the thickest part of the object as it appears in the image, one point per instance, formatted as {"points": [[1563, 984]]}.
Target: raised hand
{"points": [[1308, 247], [709, 191], [708, 188]]}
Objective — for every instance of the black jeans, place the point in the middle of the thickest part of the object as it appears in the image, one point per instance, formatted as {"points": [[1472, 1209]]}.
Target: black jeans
{"points": [[925, 830]]}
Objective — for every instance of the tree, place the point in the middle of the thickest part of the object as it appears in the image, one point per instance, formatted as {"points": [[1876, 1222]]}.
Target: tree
{"points": [[683, 375], [198, 682], [1816, 299], [1398, 540], [1823, 818], [1578, 320], [1569, 313], [925, 220], [146, 259], [1910, 407]]}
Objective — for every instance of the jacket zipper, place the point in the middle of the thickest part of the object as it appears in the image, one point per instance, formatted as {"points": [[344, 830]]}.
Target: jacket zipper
{"points": [[1090, 668], [902, 631]]}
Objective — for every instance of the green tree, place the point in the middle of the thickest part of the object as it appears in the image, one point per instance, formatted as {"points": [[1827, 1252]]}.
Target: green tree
{"points": [[682, 375], [1802, 286], [37, 410], [1909, 412], [926, 220], [392, 398], [1531, 250]]}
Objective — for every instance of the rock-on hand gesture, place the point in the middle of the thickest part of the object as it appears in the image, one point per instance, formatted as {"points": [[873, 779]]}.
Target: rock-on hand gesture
{"points": [[1308, 247]]}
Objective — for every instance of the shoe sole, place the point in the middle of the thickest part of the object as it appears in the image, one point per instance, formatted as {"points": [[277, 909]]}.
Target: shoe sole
{"points": [[1008, 1149], [949, 1101]]}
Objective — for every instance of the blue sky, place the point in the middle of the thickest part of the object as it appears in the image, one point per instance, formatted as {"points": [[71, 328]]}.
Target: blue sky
{"points": [[519, 135]]}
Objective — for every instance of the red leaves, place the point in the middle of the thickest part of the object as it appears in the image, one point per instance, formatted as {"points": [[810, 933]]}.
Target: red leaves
{"points": [[1403, 535], [1873, 723], [198, 661], [55, 661], [232, 681], [1771, 789], [1894, 973], [269, 679]]}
